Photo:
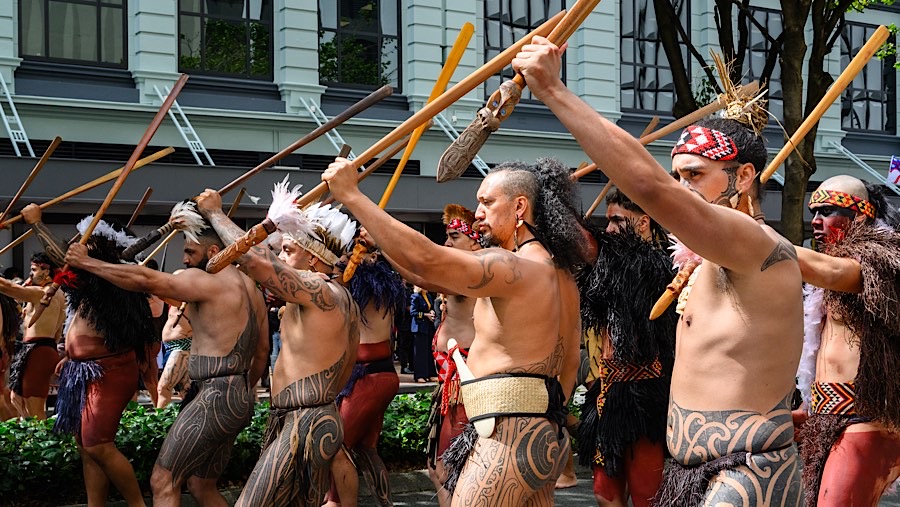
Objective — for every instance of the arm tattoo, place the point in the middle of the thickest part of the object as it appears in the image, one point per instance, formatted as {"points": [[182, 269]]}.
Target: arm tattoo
{"points": [[290, 284], [783, 251], [488, 259], [227, 230], [55, 248]]}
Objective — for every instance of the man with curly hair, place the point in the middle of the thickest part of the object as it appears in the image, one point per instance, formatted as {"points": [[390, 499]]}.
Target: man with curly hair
{"points": [[850, 442], [34, 363], [525, 352]]}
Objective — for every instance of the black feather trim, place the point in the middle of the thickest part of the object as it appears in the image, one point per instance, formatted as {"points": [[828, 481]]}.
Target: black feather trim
{"points": [[457, 452], [378, 284]]}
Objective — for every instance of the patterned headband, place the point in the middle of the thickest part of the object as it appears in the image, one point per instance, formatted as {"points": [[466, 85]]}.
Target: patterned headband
{"points": [[707, 143], [464, 228], [843, 200]]}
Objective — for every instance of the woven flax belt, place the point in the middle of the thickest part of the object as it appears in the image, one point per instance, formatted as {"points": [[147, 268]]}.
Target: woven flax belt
{"points": [[505, 394], [833, 398]]}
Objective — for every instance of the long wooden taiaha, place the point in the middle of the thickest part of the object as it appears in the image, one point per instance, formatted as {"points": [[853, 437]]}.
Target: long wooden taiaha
{"points": [[34, 172], [139, 207], [120, 180]]}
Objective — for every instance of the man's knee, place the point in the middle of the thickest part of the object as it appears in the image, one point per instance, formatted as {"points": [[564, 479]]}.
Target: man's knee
{"points": [[161, 481], [101, 453], [200, 487]]}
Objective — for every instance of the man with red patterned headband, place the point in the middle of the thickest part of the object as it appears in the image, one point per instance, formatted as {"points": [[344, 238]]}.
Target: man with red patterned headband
{"points": [[730, 432], [850, 442]]}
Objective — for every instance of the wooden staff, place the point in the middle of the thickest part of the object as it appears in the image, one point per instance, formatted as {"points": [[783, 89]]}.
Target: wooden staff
{"points": [[685, 121], [159, 247], [51, 289], [844, 80], [392, 151], [94, 183], [501, 103], [237, 202], [455, 92], [17, 241], [350, 112], [37, 167], [140, 206], [440, 85], [606, 188]]}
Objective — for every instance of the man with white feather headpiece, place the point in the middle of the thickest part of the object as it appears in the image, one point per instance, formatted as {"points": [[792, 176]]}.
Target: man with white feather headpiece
{"points": [[228, 355], [319, 333]]}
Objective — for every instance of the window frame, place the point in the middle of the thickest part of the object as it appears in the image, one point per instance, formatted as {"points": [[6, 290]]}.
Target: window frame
{"points": [[246, 21], [888, 80], [638, 65], [98, 5], [380, 36]]}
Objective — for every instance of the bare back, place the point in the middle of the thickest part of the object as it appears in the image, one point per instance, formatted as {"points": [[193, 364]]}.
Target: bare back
{"points": [[457, 322], [376, 325], [738, 341], [315, 337], [219, 321]]}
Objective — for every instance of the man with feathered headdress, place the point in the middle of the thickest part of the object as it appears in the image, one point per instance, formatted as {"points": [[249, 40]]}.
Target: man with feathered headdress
{"points": [[729, 426], [525, 352], [850, 442], [319, 334], [36, 358], [229, 350], [105, 339]]}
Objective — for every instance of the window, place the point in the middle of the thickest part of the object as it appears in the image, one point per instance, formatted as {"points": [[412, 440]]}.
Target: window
{"points": [[231, 38], [507, 21], [870, 102], [758, 49], [76, 31], [359, 42], [646, 79]]}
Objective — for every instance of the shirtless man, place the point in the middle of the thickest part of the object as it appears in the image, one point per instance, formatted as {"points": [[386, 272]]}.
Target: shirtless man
{"points": [[729, 430], [177, 334], [379, 292], [229, 351], [33, 365], [99, 374], [848, 375], [623, 420], [515, 347], [319, 337]]}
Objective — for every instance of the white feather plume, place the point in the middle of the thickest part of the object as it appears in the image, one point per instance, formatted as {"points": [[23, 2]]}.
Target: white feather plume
{"points": [[121, 238], [284, 212], [187, 220], [338, 224]]}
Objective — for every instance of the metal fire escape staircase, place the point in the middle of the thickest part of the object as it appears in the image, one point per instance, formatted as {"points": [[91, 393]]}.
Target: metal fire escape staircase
{"points": [[13, 124], [185, 129]]}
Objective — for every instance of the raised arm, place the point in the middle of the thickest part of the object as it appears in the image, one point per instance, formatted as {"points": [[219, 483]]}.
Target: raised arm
{"points": [[191, 285], [304, 288], [492, 272], [832, 273], [31, 294], [406, 274], [53, 246], [724, 236]]}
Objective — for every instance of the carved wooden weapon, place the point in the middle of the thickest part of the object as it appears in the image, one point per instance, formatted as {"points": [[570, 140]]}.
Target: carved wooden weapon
{"points": [[37, 168], [430, 110], [856, 65], [237, 202], [120, 180], [94, 183], [501, 103], [440, 85], [139, 207]]}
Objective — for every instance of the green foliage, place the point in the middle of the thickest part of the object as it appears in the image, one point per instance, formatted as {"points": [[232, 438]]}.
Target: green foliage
{"points": [[226, 49], [404, 438], [351, 61]]}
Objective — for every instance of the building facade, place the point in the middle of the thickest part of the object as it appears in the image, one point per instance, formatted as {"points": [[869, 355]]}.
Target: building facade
{"points": [[91, 72]]}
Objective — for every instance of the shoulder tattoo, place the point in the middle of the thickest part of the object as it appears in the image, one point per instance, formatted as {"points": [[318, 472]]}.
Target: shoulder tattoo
{"points": [[783, 251], [493, 260]]}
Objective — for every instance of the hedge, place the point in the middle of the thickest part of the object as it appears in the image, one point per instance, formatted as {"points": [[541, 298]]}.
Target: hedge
{"points": [[32, 457]]}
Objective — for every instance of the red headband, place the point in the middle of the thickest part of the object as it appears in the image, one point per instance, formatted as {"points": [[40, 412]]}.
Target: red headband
{"points": [[464, 228], [707, 143]]}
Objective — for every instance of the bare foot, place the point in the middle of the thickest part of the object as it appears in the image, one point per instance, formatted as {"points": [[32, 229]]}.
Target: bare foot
{"points": [[566, 481]]}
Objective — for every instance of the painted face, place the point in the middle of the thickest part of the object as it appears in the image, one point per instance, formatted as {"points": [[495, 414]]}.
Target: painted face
{"points": [[40, 274], [496, 212], [195, 256], [714, 180], [460, 241], [620, 219], [829, 222], [292, 255]]}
